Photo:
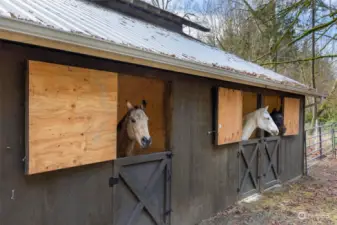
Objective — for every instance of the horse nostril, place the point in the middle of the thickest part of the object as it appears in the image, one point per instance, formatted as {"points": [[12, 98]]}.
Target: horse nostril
{"points": [[146, 141]]}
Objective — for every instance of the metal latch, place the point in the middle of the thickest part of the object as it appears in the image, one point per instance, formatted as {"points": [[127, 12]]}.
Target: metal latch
{"points": [[113, 181], [168, 212]]}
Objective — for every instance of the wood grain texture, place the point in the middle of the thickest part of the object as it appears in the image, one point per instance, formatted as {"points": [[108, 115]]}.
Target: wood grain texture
{"points": [[72, 116], [229, 116], [273, 101], [292, 115], [249, 105], [135, 89]]}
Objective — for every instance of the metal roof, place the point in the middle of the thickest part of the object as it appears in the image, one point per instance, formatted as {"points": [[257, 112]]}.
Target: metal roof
{"points": [[135, 6], [84, 23]]}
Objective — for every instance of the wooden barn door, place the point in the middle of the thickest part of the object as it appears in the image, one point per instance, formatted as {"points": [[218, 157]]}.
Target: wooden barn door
{"points": [[259, 165], [249, 167], [141, 189], [270, 160]]}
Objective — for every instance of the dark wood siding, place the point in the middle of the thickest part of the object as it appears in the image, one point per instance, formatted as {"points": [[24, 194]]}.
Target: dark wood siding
{"points": [[204, 178], [68, 197]]}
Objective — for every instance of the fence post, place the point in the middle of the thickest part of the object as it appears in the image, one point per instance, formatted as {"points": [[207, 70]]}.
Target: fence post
{"points": [[305, 154], [320, 142], [333, 141]]}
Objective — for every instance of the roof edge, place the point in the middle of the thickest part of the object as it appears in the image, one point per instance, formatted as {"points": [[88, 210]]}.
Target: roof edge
{"points": [[31, 33]]}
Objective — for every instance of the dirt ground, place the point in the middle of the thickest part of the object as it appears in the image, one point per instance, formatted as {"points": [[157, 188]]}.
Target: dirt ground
{"points": [[309, 200]]}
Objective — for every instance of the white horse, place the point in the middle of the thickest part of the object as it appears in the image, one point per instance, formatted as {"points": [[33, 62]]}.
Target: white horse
{"points": [[261, 119]]}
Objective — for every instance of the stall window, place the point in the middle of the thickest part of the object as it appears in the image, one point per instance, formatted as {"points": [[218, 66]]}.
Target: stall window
{"points": [[292, 115], [135, 89], [273, 101], [229, 116], [72, 117], [249, 105]]}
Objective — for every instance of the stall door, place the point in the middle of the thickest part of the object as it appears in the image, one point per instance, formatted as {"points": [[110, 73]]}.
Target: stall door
{"points": [[141, 189], [259, 165], [249, 168], [271, 161]]}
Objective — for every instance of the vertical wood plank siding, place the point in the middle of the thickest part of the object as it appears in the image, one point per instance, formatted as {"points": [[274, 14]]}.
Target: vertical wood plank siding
{"points": [[204, 177]]}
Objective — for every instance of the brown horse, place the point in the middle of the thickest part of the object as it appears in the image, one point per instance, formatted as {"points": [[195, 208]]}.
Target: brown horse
{"points": [[132, 129]]}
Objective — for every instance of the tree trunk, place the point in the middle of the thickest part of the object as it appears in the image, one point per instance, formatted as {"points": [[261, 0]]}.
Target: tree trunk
{"points": [[314, 113]]}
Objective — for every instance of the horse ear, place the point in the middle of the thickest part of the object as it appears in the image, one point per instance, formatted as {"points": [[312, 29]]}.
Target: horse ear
{"points": [[266, 108], [129, 105], [280, 111], [143, 105]]}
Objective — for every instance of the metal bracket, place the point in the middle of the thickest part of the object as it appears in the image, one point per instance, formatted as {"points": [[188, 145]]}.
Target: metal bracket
{"points": [[169, 175], [113, 181], [168, 212], [169, 155]]}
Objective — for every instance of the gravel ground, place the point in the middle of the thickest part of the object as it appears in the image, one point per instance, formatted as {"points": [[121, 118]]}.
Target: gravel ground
{"points": [[309, 200]]}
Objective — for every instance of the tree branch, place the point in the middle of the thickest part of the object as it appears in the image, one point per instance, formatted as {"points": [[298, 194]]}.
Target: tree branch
{"points": [[323, 106], [300, 60], [316, 28], [255, 16]]}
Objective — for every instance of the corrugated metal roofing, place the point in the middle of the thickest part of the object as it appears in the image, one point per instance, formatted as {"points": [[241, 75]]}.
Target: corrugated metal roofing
{"points": [[89, 19]]}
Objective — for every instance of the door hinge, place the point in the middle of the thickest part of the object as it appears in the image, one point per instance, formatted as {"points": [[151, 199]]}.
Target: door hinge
{"points": [[113, 181], [168, 212], [169, 155], [169, 175]]}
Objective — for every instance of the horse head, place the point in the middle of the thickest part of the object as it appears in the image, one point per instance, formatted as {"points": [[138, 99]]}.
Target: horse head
{"points": [[277, 116], [265, 122], [137, 125]]}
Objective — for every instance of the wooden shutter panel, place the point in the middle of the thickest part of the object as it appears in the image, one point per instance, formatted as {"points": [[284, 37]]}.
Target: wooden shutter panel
{"points": [[292, 115], [229, 126], [72, 117]]}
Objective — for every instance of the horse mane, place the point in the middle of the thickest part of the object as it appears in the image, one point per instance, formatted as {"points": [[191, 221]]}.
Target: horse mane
{"points": [[121, 122], [249, 115]]}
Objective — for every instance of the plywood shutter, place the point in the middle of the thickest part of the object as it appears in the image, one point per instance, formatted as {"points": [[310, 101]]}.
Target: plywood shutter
{"points": [[292, 115], [229, 116], [72, 117]]}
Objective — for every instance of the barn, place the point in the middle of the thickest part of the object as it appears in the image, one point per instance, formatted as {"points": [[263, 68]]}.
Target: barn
{"points": [[68, 67]]}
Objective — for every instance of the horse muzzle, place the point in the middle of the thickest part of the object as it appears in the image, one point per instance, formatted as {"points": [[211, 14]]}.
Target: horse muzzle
{"points": [[283, 130], [146, 142], [274, 132]]}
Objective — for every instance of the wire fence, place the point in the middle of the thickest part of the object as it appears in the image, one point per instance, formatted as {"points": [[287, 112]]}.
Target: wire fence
{"points": [[320, 141]]}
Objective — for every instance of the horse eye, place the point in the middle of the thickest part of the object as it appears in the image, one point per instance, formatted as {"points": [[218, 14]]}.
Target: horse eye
{"points": [[133, 120]]}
